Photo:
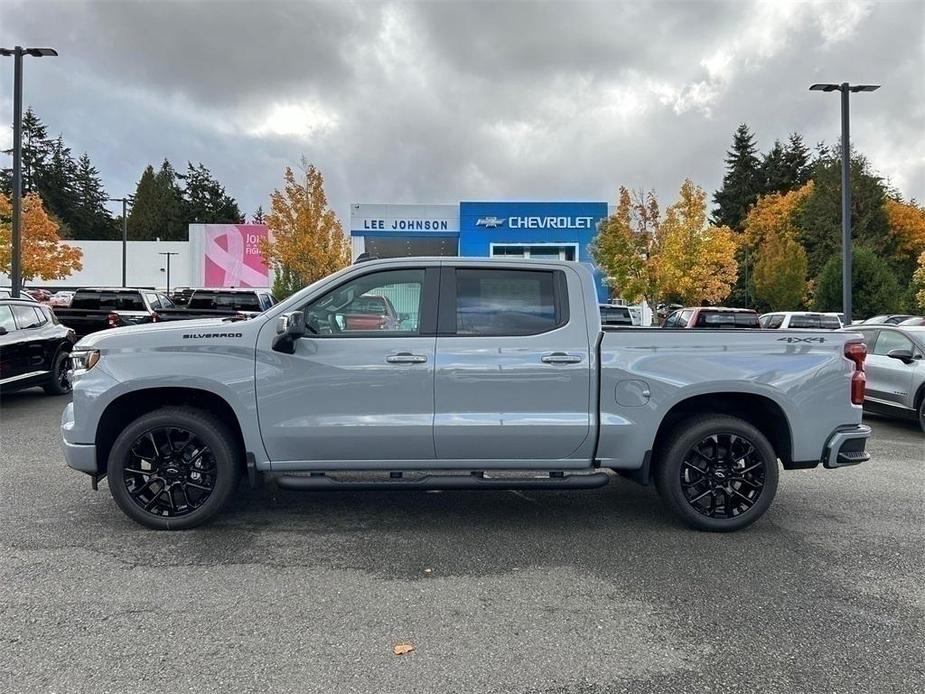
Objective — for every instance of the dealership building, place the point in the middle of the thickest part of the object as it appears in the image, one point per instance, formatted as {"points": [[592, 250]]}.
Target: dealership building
{"points": [[540, 230]]}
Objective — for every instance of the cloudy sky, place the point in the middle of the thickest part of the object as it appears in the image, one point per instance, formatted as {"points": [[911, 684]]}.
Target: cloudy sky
{"points": [[445, 101]]}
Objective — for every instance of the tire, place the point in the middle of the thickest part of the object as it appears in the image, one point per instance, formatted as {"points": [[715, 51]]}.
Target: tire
{"points": [[59, 383], [717, 473], [922, 414], [174, 468]]}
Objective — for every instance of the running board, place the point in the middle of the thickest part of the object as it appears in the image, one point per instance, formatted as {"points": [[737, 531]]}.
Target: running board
{"points": [[318, 482]]}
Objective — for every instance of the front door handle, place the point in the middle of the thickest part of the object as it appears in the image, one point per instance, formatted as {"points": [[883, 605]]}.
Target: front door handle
{"points": [[406, 358], [560, 358]]}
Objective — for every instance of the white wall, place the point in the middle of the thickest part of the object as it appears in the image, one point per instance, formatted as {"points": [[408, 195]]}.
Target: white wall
{"points": [[102, 265]]}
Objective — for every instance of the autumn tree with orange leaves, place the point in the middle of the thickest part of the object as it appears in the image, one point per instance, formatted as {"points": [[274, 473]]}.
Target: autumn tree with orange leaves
{"points": [[43, 254], [307, 240], [627, 244], [681, 256], [696, 259], [781, 263]]}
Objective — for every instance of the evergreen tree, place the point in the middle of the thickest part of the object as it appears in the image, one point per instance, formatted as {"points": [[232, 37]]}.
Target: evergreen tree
{"points": [[742, 182], [206, 201], [820, 219], [158, 208], [257, 217], [36, 150], [91, 218], [56, 183], [796, 162], [873, 285], [773, 172]]}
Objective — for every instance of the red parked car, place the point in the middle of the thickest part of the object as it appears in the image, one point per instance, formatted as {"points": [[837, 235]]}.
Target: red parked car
{"points": [[370, 312], [712, 317]]}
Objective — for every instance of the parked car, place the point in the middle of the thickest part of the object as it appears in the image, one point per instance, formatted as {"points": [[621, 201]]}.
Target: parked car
{"points": [[662, 310], [217, 303], [40, 295], [181, 295], [895, 370], [498, 365], [34, 348], [784, 320], [99, 308], [915, 320], [7, 293], [890, 319], [61, 299], [712, 317], [615, 315]]}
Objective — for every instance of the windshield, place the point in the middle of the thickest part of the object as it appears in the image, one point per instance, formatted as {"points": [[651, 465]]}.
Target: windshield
{"points": [[229, 301], [108, 301]]}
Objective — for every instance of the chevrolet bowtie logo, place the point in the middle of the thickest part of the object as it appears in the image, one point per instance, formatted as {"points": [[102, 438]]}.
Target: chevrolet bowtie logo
{"points": [[489, 222]]}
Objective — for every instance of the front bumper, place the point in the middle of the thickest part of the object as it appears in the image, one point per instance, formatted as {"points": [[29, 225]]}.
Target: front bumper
{"points": [[847, 447], [80, 456]]}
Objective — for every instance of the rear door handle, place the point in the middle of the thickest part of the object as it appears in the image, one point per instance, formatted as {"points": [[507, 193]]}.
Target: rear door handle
{"points": [[406, 358], [560, 358]]}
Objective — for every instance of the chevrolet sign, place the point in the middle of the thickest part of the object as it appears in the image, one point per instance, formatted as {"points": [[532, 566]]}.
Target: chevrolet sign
{"points": [[489, 222]]}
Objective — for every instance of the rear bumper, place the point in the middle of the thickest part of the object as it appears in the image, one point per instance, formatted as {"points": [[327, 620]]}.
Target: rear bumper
{"points": [[80, 456], [846, 447]]}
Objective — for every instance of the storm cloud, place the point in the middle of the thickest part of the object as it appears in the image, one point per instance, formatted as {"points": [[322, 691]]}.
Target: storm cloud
{"points": [[440, 102]]}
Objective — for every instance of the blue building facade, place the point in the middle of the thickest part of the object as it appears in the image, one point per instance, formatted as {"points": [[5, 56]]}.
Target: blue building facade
{"points": [[539, 230]]}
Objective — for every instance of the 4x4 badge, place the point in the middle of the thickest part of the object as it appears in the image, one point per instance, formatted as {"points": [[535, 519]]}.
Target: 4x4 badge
{"points": [[800, 339]]}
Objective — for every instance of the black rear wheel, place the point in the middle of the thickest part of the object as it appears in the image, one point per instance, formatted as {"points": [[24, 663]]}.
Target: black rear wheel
{"points": [[173, 468], [717, 473]]}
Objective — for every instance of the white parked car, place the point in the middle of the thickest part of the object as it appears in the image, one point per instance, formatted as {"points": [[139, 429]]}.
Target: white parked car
{"points": [[809, 320], [62, 298]]}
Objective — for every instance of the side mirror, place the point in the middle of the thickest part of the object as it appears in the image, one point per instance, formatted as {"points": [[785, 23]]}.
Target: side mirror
{"points": [[904, 355], [289, 328], [2, 330]]}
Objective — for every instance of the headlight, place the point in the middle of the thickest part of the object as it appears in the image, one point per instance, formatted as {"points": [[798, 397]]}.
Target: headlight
{"points": [[82, 360]]}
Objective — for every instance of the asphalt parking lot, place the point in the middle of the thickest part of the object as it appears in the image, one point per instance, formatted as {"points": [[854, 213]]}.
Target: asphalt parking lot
{"points": [[581, 592]]}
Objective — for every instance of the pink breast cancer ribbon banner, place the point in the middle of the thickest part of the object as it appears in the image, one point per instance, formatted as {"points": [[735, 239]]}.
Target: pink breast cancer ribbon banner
{"points": [[232, 256]]}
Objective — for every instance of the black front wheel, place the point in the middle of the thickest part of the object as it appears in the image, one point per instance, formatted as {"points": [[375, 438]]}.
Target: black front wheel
{"points": [[717, 473], [59, 381], [173, 468], [922, 414]]}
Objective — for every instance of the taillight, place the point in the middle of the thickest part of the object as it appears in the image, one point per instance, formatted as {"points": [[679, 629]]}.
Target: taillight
{"points": [[154, 317], [856, 352], [113, 320]]}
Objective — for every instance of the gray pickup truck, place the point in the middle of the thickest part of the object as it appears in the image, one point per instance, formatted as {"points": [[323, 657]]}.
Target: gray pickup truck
{"points": [[489, 374]]}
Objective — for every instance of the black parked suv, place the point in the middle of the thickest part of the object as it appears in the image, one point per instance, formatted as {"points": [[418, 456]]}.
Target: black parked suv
{"points": [[35, 349]]}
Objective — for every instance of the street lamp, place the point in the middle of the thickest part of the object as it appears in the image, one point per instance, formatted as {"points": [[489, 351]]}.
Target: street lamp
{"points": [[124, 202], [168, 254], [16, 261], [845, 89]]}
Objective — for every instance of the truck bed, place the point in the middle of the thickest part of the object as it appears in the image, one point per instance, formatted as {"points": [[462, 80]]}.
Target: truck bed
{"points": [[647, 372]]}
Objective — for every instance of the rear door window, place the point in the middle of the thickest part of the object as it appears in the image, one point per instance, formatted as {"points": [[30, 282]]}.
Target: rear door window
{"points": [[26, 317], [153, 300], [493, 302]]}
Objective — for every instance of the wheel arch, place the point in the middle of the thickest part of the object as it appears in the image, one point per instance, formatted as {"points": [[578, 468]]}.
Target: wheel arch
{"points": [[760, 411], [129, 406]]}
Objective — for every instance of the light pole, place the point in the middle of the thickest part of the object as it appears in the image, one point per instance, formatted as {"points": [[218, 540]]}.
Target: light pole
{"points": [[16, 261], [124, 202], [168, 254], [845, 90]]}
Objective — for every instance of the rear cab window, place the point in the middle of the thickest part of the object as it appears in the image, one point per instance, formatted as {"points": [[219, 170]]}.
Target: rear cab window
{"points": [[108, 301], [225, 301], [726, 319]]}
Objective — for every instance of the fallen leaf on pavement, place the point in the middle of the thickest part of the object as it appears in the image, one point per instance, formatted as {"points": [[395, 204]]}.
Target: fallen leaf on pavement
{"points": [[402, 648]]}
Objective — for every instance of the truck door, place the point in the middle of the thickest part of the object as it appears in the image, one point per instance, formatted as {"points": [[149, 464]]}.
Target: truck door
{"points": [[513, 374], [361, 386]]}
